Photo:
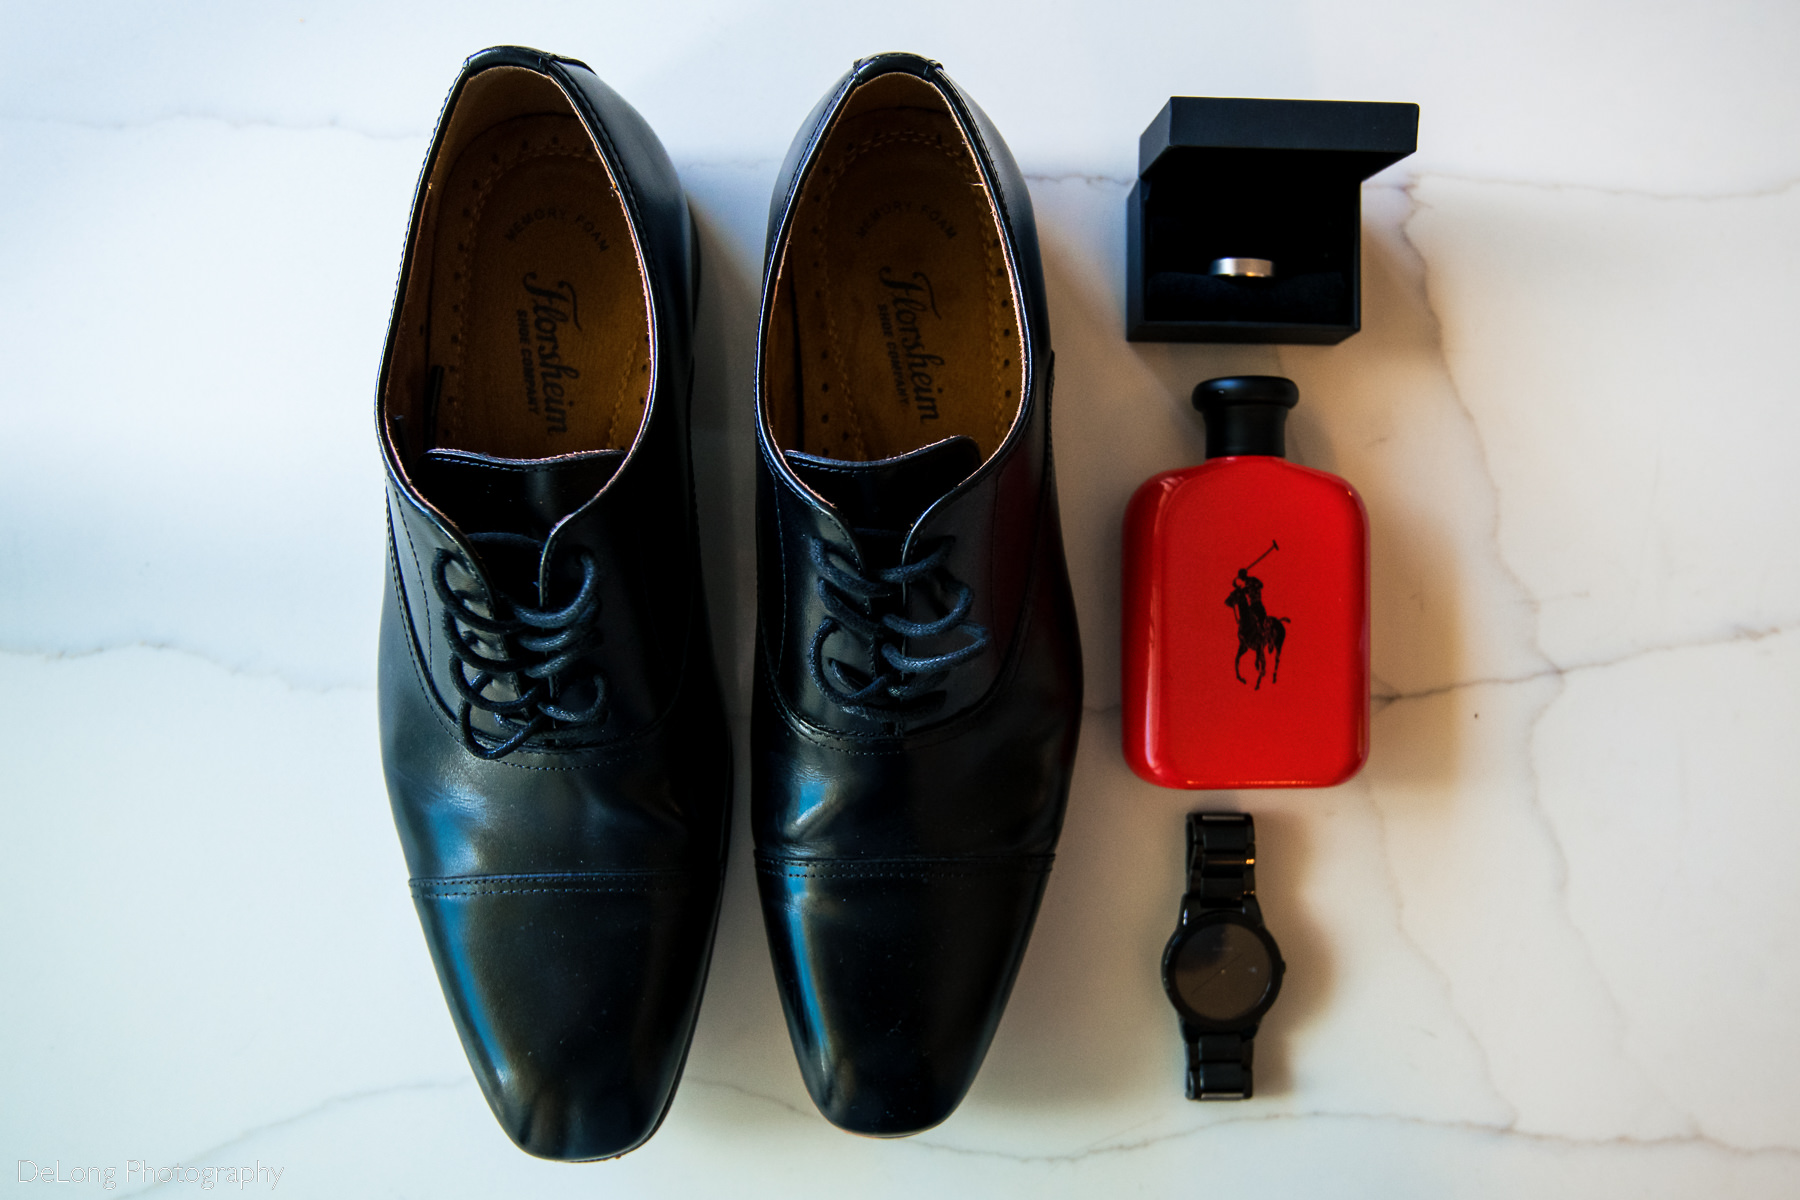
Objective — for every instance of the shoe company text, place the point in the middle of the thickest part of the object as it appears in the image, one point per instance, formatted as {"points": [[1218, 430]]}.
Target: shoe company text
{"points": [[550, 308], [907, 357]]}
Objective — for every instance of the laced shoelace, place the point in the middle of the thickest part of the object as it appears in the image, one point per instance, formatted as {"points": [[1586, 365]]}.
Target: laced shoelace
{"points": [[902, 685], [536, 647]]}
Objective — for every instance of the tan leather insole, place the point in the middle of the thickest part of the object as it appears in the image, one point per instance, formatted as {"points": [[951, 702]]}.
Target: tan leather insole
{"points": [[903, 309], [538, 313]]}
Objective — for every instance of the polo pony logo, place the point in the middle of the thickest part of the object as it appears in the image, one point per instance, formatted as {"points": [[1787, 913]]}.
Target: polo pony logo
{"points": [[1257, 630]]}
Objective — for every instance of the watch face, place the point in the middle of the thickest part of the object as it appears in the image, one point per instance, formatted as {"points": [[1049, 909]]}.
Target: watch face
{"points": [[1222, 971]]}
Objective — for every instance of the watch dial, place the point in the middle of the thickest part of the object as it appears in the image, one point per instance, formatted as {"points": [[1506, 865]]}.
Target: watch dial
{"points": [[1222, 971]]}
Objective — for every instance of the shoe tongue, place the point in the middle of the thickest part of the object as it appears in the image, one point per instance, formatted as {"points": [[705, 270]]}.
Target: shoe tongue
{"points": [[888, 493], [482, 494]]}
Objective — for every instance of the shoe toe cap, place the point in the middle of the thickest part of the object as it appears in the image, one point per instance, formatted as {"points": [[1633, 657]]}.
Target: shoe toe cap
{"points": [[894, 974], [574, 997]]}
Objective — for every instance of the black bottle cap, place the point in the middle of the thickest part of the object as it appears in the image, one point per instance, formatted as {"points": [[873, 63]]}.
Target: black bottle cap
{"points": [[1246, 414]]}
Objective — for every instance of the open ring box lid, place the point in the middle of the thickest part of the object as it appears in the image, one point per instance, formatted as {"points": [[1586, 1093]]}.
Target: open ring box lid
{"points": [[1274, 179]]}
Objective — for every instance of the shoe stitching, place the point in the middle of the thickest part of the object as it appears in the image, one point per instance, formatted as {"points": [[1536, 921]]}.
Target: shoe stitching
{"points": [[772, 858], [828, 738], [626, 375], [993, 560], [969, 867], [919, 875], [615, 167], [422, 675], [400, 584], [781, 545], [609, 156], [987, 175], [439, 893], [614, 164], [964, 112], [464, 259], [988, 170], [625, 881], [809, 160], [834, 174], [601, 752]]}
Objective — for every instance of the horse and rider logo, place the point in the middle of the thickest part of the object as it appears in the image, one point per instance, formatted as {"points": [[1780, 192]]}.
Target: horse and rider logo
{"points": [[1257, 630]]}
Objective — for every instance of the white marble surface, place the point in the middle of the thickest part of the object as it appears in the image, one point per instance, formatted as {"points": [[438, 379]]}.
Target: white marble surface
{"points": [[1548, 944]]}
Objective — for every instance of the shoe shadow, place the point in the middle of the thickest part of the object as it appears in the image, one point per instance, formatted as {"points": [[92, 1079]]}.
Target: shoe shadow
{"points": [[724, 430], [741, 1072]]}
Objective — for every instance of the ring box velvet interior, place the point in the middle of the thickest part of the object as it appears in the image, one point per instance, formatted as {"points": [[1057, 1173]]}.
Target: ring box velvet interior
{"points": [[1274, 179]]}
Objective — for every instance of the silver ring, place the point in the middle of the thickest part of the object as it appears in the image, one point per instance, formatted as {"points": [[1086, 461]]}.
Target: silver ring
{"points": [[1244, 268]]}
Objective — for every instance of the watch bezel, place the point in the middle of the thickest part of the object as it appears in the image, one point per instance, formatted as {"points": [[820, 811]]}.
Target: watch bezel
{"points": [[1222, 916]]}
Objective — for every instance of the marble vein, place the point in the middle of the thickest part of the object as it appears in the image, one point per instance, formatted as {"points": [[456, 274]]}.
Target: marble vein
{"points": [[763, 162], [1558, 861], [1120, 1148], [1779, 188], [1782, 1153], [328, 1104], [232, 123], [751, 1093], [1437, 969], [1555, 671], [1096, 178], [1559, 881], [173, 648], [1409, 180]]}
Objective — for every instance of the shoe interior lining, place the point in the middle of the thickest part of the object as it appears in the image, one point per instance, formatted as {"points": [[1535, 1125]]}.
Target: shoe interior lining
{"points": [[526, 317], [896, 322]]}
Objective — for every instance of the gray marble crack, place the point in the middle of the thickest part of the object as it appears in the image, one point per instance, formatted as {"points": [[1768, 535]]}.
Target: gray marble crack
{"points": [[1123, 181], [1475, 1127], [1753, 634], [233, 669], [199, 1158], [1432, 964], [683, 165], [234, 123], [1423, 268], [1788, 1153], [1763, 193], [1558, 857], [1423, 273], [1104, 1140], [721, 1085], [1407, 182], [1559, 879]]}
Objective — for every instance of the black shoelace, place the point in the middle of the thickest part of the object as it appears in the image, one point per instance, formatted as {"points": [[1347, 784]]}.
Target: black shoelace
{"points": [[901, 685], [531, 649]]}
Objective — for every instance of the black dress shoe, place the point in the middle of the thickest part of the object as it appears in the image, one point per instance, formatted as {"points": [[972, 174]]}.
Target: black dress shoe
{"points": [[918, 685], [551, 727]]}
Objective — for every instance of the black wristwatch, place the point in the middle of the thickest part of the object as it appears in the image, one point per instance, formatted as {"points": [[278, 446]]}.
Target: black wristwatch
{"points": [[1221, 969]]}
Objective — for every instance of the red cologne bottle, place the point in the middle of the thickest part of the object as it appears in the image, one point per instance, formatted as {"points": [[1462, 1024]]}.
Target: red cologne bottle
{"points": [[1246, 622]]}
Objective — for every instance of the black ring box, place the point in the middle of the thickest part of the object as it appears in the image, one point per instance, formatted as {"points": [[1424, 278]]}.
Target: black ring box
{"points": [[1238, 178]]}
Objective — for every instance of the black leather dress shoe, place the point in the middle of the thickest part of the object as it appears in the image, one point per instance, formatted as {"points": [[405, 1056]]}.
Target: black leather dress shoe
{"points": [[551, 727], [918, 687]]}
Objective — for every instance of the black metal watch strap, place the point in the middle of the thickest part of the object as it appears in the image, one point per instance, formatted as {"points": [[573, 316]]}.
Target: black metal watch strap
{"points": [[1221, 859], [1221, 874], [1218, 1065]]}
